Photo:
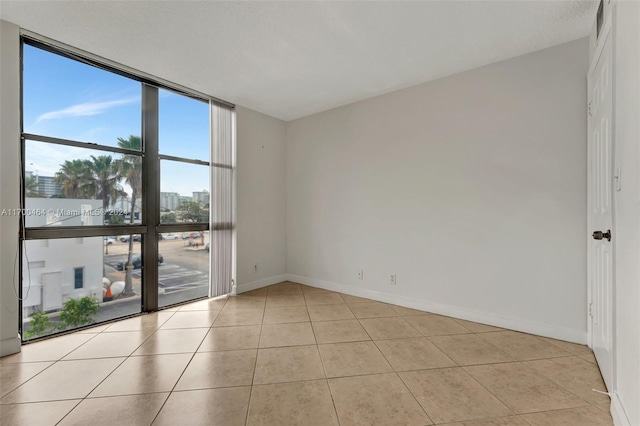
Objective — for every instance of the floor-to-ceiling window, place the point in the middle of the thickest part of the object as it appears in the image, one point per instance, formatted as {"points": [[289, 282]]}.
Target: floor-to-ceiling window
{"points": [[116, 192]]}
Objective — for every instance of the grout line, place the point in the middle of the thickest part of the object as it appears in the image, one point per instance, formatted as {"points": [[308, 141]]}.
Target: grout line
{"points": [[255, 365]]}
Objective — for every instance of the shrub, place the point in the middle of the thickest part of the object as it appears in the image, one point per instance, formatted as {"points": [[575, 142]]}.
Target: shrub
{"points": [[78, 312], [39, 325]]}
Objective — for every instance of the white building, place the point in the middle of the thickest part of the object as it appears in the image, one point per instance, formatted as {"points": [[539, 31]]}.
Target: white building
{"points": [[169, 200], [201, 197], [56, 270]]}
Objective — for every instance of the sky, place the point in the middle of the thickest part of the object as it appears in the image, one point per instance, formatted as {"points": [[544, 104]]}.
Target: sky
{"points": [[67, 99]]}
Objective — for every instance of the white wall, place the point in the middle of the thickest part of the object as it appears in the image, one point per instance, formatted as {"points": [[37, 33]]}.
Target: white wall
{"points": [[261, 201], [9, 175], [472, 189], [627, 211]]}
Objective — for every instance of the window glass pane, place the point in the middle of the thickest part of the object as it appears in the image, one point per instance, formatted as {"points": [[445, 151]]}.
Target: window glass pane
{"points": [[65, 282], [184, 126], [69, 186], [68, 99], [184, 192], [184, 272]]}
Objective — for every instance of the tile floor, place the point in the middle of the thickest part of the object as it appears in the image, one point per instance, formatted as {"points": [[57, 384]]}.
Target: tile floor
{"points": [[291, 354]]}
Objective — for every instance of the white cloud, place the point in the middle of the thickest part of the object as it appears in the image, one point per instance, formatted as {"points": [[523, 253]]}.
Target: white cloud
{"points": [[85, 109]]}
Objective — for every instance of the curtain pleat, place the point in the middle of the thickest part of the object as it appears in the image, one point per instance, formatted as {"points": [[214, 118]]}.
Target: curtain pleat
{"points": [[221, 204]]}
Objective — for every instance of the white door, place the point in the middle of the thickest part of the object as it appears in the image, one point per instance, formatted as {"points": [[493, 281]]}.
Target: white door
{"points": [[600, 250]]}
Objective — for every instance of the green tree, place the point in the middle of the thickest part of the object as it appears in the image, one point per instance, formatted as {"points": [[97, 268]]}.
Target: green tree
{"points": [[192, 211], [129, 168], [75, 178], [105, 176], [168, 218], [39, 325]]}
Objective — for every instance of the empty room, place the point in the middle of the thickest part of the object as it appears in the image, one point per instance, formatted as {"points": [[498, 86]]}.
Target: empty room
{"points": [[320, 213]]}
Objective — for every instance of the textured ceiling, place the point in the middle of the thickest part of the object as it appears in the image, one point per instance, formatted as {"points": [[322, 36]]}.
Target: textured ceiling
{"points": [[292, 59]]}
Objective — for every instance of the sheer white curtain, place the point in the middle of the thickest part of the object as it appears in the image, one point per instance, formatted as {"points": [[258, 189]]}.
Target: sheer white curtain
{"points": [[222, 198]]}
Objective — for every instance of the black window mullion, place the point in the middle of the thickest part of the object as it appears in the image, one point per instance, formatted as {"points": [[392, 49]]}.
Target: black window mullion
{"points": [[150, 196]]}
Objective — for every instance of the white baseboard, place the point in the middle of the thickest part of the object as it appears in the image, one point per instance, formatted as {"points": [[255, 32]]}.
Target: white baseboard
{"points": [[10, 346], [253, 285], [546, 330], [617, 411]]}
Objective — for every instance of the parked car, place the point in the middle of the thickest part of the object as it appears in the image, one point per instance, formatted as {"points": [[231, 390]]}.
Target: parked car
{"points": [[136, 261], [170, 237], [125, 238], [109, 240], [206, 246], [188, 235]]}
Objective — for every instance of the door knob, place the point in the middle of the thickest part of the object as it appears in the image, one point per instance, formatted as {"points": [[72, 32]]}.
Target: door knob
{"points": [[598, 235]]}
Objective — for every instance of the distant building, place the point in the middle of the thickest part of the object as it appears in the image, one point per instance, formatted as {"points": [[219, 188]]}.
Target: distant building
{"points": [[46, 185], [169, 200], [201, 197], [184, 198]]}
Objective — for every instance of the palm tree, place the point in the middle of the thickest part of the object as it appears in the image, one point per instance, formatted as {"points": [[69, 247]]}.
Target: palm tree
{"points": [[130, 167], [106, 178], [74, 176], [31, 187]]}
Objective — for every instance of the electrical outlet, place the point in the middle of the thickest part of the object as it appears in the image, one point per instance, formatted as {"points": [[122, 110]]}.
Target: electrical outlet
{"points": [[392, 279], [255, 268], [361, 274]]}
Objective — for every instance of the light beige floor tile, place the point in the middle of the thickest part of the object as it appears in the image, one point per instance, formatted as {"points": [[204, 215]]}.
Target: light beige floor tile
{"points": [[64, 380], [106, 345], [204, 305], [206, 407], [469, 349], [231, 338], [435, 325], [354, 299], [244, 316], [144, 374], [257, 292], [352, 359], [143, 322], [244, 302], [190, 319], [291, 334], [591, 358], [497, 421], [389, 328], [523, 346], [116, 410], [95, 329], [323, 298], [48, 350], [452, 395], [330, 312], [575, 375], [285, 300], [522, 389], [380, 399], [290, 364], [339, 331], [413, 354], [606, 408], [36, 414], [583, 416], [572, 348], [476, 327], [13, 375], [309, 289], [406, 311], [292, 404], [284, 289], [172, 341], [372, 310], [285, 315], [219, 370]]}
